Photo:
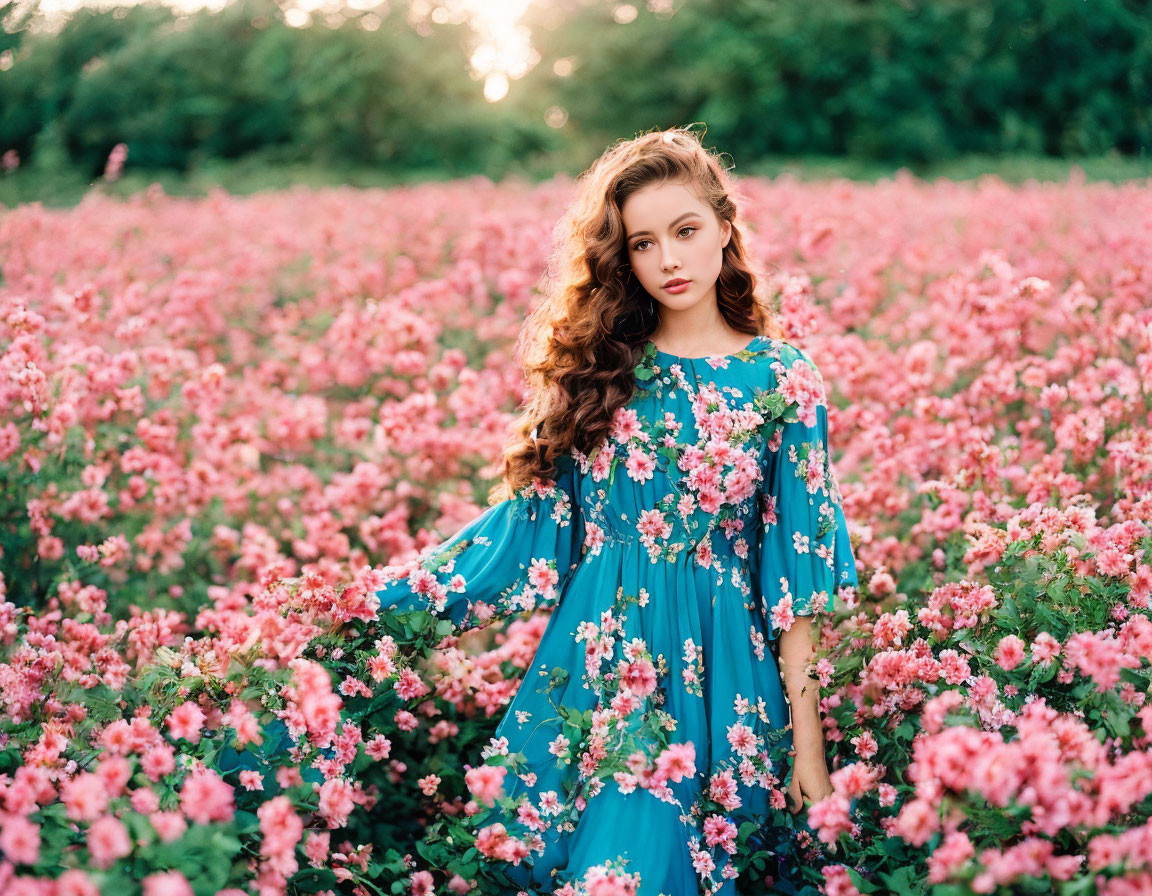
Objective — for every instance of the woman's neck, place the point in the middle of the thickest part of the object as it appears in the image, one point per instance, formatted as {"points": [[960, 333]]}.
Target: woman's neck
{"points": [[717, 340]]}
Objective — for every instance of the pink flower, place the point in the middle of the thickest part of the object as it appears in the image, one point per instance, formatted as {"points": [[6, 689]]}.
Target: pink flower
{"points": [[639, 677], [702, 863], [114, 771], [336, 801], [410, 686], [1009, 652], [167, 883], [20, 840], [85, 797], [186, 721], [917, 822], [802, 385], [837, 882], [158, 761], [379, 747], [420, 883], [722, 789], [782, 614], [955, 850], [206, 797], [316, 846], [247, 728], [889, 630], [251, 779], [490, 839], [281, 828], [719, 831], [1044, 649], [742, 739], [75, 883], [639, 464], [170, 826], [107, 841], [865, 745], [145, 800], [676, 761], [486, 783], [854, 780], [830, 817]]}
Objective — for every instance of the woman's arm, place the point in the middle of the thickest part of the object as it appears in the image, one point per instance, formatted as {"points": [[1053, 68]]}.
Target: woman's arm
{"points": [[810, 780]]}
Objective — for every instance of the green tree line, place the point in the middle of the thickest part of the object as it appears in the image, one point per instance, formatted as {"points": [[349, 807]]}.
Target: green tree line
{"points": [[897, 80]]}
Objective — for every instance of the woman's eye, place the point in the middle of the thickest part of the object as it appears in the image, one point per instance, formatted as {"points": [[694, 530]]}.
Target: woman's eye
{"points": [[639, 247]]}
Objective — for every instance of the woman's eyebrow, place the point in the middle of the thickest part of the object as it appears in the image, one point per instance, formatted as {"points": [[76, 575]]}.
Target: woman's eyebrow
{"points": [[632, 236]]}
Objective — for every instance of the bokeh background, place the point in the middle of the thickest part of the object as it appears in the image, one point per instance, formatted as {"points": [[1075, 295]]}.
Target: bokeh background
{"points": [[262, 270], [257, 94]]}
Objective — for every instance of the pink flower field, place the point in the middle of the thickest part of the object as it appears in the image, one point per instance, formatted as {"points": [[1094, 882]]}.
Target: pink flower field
{"points": [[223, 418]]}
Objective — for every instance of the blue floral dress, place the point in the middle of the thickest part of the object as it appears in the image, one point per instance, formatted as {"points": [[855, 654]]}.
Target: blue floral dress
{"points": [[670, 557]]}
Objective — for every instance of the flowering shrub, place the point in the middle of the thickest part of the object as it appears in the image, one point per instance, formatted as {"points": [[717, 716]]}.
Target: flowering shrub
{"points": [[212, 445], [999, 738]]}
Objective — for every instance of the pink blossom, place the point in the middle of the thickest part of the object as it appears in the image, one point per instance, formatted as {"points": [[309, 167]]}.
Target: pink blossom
{"points": [[410, 686], [955, 850], [20, 840], [486, 783], [830, 817], [169, 826], [336, 801], [782, 614], [1009, 652], [639, 677], [676, 761], [420, 883], [837, 882], [85, 797], [167, 883], [205, 797], [75, 883], [107, 841], [185, 721]]}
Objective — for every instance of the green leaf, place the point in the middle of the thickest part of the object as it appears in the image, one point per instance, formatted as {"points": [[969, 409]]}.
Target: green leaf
{"points": [[862, 885], [902, 881]]}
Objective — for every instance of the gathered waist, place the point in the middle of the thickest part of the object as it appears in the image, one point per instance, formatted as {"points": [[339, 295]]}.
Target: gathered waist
{"points": [[678, 546]]}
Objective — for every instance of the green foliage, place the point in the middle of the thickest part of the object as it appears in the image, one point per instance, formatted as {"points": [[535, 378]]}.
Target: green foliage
{"points": [[898, 81], [1038, 591], [905, 83]]}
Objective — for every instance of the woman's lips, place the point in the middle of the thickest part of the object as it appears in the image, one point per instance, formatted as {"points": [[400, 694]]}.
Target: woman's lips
{"points": [[679, 286]]}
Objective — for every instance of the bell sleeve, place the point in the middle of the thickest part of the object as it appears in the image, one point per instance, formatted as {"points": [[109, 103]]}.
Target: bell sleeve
{"points": [[805, 554], [514, 557]]}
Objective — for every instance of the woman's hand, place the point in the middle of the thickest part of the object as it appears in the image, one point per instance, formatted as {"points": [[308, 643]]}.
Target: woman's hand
{"points": [[810, 782]]}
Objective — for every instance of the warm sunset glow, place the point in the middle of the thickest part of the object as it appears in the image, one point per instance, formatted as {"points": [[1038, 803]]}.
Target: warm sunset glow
{"points": [[503, 49]]}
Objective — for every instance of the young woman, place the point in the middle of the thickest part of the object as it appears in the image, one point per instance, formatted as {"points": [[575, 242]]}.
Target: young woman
{"points": [[667, 492]]}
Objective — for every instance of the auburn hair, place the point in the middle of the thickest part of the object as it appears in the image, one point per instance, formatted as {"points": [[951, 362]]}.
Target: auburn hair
{"points": [[580, 345]]}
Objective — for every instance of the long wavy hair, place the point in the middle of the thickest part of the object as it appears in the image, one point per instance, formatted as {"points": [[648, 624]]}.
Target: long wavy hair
{"points": [[580, 345]]}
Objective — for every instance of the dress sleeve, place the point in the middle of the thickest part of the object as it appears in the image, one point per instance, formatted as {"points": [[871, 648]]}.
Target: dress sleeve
{"points": [[805, 553], [513, 557]]}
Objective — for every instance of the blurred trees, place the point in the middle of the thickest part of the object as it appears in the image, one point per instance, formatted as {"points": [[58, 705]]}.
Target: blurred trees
{"points": [[901, 80]]}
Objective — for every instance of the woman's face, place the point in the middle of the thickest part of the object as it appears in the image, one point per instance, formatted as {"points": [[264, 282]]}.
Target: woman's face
{"points": [[673, 235]]}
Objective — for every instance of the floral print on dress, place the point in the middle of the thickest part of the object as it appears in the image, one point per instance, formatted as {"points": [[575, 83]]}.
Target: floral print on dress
{"points": [[671, 557]]}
